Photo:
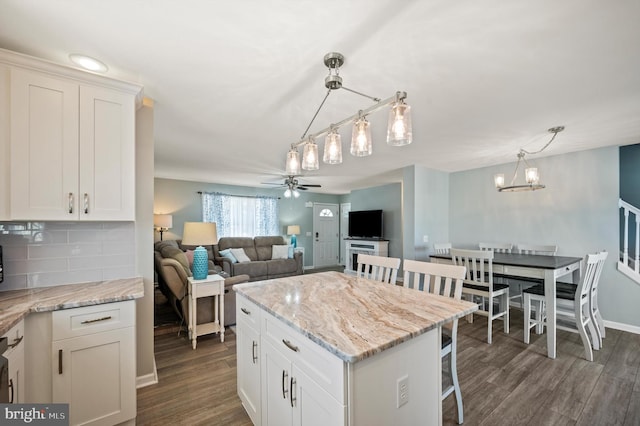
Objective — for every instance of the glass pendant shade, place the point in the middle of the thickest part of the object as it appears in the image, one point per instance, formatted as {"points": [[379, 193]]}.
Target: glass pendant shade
{"points": [[296, 194], [531, 175], [287, 193], [498, 179], [310, 156], [361, 138], [399, 129], [293, 163], [332, 148]]}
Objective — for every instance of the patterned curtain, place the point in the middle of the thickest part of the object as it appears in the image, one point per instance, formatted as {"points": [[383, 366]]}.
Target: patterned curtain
{"points": [[237, 216]]}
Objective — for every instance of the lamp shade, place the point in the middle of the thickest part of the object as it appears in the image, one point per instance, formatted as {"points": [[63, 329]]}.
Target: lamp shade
{"points": [[163, 221], [293, 230]]}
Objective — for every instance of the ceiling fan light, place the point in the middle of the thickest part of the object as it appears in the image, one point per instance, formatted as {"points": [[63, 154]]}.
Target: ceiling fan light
{"points": [[310, 156], [293, 162], [399, 130], [296, 193], [361, 138], [332, 148], [287, 193]]}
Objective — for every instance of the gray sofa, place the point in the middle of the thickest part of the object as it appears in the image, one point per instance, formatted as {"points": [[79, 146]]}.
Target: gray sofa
{"points": [[259, 250]]}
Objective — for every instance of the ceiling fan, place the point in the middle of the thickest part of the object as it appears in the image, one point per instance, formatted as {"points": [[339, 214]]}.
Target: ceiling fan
{"points": [[293, 185]]}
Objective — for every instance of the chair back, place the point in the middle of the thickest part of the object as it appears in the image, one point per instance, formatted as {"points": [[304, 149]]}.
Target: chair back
{"points": [[545, 250], [496, 247], [478, 264], [384, 269], [590, 275], [602, 256], [442, 248]]}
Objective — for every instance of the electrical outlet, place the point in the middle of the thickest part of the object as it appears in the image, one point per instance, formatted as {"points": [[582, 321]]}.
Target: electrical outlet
{"points": [[402, 391], [425, 238]]}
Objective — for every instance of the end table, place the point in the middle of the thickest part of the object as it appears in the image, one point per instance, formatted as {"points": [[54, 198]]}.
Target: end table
{"points": [[213, 285]]}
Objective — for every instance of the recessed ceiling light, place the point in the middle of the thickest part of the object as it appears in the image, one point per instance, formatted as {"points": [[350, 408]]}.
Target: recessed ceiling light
{"points": [[88, 63]]}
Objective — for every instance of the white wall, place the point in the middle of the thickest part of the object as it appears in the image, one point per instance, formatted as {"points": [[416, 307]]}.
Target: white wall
{"points": [[578, 211]]}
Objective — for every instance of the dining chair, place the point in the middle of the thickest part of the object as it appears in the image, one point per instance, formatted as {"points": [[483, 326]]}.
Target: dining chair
{"points": [[572, 305], [479, 283], [544, 250], [496, 247], [443, 280], [379, 268], [596, 317], [517, 284], [442, 248]]}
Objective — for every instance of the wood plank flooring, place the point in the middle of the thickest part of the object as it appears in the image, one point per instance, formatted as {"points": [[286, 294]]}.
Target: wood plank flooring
{"points": [[506, 383]]}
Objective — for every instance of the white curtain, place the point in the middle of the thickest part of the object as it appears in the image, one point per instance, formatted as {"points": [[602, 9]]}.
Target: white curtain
{"points": [[237, 216]]}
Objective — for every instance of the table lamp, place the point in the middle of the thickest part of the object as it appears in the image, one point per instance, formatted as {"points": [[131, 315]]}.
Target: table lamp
{"points": [[200, 234], [293, 230], [162, 223]]}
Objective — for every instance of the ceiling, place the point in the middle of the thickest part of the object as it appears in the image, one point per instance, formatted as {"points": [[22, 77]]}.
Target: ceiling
{"points": [[235, 83]]}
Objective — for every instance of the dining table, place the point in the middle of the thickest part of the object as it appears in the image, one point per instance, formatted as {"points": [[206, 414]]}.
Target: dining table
{"points": [[542, 267]]}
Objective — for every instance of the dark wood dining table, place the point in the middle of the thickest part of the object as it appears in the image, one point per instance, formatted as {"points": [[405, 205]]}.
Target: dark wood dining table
{"points": [[547, 268]]}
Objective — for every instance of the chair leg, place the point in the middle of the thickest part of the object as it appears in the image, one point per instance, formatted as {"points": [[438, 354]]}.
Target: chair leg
{"points": [[527, 318], [456, 385], [580, 323], [505, 318], [540, 317], [490, 320]]}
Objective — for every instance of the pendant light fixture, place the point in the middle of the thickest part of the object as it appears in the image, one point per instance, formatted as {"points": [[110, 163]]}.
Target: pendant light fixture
{"points": [[531, 176], [399, 131]]}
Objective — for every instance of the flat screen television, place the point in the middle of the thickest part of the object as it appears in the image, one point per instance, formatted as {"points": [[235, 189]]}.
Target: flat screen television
{"points": [[365, 224]]}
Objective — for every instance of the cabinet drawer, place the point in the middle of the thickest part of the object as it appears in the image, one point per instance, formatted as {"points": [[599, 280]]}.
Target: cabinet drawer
{"points": [[247, 313], [15, 337], [92, 319], [326, 369]]}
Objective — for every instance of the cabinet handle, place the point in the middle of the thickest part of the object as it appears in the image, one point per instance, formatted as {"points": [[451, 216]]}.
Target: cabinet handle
{"points": [[11, 389], [253, 351], [16, 342], [59, 361], [245, 311], [71, 203], [284, 382], [290, 345], [86, 203], [293, 398], [96, 320]]}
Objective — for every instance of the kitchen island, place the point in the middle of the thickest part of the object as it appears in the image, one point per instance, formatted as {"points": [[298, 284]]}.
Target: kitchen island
{"points": [[334, 349]]}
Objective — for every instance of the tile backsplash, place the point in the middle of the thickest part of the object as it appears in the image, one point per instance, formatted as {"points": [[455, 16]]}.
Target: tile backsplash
{"points": [[42, 254]]}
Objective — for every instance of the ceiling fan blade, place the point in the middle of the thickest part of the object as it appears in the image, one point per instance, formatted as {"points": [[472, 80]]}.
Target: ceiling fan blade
{"points": [[274, 184], [310, 185], [302, 188]]}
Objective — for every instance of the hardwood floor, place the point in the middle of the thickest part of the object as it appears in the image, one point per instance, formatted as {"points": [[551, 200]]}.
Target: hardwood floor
{"points": [[506, 383]]}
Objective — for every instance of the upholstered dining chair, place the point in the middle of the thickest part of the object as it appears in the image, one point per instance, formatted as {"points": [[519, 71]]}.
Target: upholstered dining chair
{"points": [[443, 280], [441, 248], [479, 283], [572, 305], [379, 268]]}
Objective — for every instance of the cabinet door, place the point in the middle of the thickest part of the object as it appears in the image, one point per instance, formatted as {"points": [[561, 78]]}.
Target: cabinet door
{"points": [[95, 374], [248, 355], [276, 383], [312, 405], [44, 147], [16, 374], [107, 154]]}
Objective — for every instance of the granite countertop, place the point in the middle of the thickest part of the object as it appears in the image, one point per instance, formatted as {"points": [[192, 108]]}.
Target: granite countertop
{"points": [[17, 304], [353, 318]]}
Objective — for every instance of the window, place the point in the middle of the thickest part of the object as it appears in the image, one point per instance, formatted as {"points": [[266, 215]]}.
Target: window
{"points": [[237, 216]]}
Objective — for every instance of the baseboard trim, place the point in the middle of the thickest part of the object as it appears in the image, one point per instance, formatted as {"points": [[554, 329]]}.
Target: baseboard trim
{"points": [[148, 379], [622, 327]]}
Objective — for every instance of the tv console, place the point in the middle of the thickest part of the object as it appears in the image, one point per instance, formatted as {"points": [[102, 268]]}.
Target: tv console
{"points": [[372, 247]]}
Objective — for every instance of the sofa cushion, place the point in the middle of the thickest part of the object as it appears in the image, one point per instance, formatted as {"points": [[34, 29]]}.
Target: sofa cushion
{"points": [[264, 244], [159, 245], [177, 254], [279, 267], [256, 270], [245, 243], [240, 255], [280, 252], [227, 253]]}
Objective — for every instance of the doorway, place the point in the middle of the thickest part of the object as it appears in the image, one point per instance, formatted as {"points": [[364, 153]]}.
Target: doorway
{"points": [[325, 235]]}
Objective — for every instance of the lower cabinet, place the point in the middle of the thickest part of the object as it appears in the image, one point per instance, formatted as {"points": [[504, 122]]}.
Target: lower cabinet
{"points": [[93, 363], [15, 355], [248, 357]]}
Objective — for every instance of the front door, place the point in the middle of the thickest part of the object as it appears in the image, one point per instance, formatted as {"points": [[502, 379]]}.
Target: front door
{"points": [[325, 235]]}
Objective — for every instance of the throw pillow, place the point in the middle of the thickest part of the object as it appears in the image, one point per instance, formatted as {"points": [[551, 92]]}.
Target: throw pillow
{"points": [[179, 255], [227, 253], [279, 252], [239, 254], [189, 254]]}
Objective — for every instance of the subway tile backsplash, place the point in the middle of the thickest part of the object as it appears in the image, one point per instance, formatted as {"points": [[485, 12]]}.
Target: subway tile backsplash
{"points": [[42, 254]]}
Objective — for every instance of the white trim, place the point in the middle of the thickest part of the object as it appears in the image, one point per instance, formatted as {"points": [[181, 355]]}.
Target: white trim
{"points": [[622, 327], [148, 379], [628, 272]]}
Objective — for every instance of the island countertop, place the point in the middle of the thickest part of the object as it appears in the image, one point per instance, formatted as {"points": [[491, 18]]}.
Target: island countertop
{"points": [[352, 317], [16, 304]]}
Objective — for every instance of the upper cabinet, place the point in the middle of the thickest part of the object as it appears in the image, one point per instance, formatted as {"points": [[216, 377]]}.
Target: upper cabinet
{"points": [[72, 146]]}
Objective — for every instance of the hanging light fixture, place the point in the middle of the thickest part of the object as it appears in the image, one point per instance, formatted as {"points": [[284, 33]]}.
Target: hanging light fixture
{"points": [[531, 176], [399, 131]]}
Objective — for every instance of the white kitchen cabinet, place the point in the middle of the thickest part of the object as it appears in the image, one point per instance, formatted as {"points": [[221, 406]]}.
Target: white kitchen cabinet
{"points": [[72, 149], [248, 347], [93, 362], [15, 356], [5, 212]]}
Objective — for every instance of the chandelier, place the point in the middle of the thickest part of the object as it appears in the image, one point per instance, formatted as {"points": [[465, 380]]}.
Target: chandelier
{"points": [[531, 176], [398, 132]]}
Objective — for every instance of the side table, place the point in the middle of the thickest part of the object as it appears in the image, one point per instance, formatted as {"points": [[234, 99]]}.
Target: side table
{"points": [[213, 285]]}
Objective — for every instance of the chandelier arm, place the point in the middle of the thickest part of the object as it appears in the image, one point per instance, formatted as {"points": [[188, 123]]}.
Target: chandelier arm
{"points": [[515, 172], [399, 96], [543, 148], [361, 94], [316, 114]]}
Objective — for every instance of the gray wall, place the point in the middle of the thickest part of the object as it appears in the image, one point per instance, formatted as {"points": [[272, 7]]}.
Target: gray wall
{"points": [[578, 211], [180, 198]]}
